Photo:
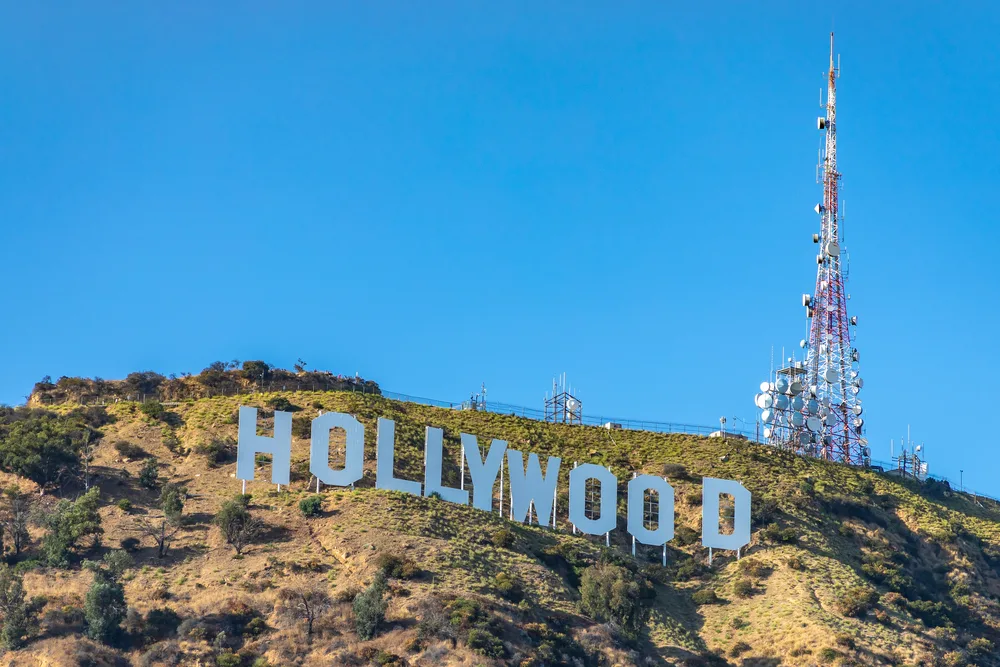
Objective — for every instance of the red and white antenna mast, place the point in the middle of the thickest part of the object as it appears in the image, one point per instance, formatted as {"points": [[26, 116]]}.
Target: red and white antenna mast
{"points": [[813, 406]]}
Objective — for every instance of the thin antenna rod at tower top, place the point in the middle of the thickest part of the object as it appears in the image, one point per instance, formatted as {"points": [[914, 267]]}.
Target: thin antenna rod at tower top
{"points": [[831, 51]]}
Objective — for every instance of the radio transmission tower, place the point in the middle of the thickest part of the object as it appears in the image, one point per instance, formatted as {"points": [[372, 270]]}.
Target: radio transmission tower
{"points": [[812, 406]]}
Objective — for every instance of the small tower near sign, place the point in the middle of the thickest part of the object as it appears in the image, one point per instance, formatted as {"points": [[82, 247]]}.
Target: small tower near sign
{"points": [[562, 406]]}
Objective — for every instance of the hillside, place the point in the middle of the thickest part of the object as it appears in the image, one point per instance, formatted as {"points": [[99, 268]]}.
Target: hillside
{"points": [[845, 566]]}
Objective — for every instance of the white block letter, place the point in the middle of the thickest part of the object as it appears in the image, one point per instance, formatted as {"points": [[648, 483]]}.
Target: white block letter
{"points": [[710, 535], [249, 444], [608, 518], [354, 451], [637, 508], [531, 487], [386, 453], [433, 458], [483, 473]]}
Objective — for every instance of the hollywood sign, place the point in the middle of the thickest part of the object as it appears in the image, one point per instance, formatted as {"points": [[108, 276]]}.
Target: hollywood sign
{"points": [[529, 486]]}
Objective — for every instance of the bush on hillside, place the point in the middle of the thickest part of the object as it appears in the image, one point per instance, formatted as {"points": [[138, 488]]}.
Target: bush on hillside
{"points": [[217, 450], [856, 602], [395, 566], [705, 596], [485, 643], [311, 505], [153, 410], [610, 594], [743, 588], [369, 608], [41, 445], [69, 524], [149, 474], [130, 450], [238, 525]]}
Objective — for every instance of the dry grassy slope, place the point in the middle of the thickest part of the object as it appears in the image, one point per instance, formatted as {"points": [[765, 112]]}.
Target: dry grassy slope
{"points": [[789, 620]]}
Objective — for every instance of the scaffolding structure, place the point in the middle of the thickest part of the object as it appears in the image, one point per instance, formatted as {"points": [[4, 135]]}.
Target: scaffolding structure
{"points": [[562, 407]]}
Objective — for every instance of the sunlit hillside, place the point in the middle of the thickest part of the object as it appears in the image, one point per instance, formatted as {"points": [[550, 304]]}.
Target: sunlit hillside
{"points": [[845, 566]]}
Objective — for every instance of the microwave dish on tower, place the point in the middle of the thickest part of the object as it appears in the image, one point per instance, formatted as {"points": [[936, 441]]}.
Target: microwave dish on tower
{"points": [[827, 421]]}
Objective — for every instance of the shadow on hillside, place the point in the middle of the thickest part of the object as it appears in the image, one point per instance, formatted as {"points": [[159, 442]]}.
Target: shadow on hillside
{"points": [[761, 662], [274, 533]]}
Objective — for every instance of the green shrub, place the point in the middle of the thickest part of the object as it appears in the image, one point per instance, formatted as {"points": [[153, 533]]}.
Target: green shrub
{"points": [[485, 643], [738, 649], [508, 588], [68, 524], [161, 623], [130, 543], [129, 450], [795, 563], [282, 404], [828, 654], [754, 568], [856, 602], [503, 538], [685, 536], [311, 505], [980, 647], [153, 409], [217, 450], [41, 445], [149, 475], [228, 659], [124, 504], [369, 608], [610, 593], [743, 588], [934, 614], [239, 527], [18, 615], [773, 533], [894, 599], [396, 567], [705, 596], [465, 613]]}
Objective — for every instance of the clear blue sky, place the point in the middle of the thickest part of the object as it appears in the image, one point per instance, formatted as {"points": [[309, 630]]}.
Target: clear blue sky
{"points": [[437, 195]]}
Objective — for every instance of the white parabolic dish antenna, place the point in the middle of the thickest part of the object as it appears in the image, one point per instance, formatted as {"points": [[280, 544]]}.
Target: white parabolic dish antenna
{"points": [[764, 401], [767, 416], [830, 375], [797, 419], [814, 424]]}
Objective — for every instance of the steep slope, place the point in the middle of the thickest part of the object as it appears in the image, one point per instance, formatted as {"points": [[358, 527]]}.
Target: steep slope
{"points": [[824, 536]]}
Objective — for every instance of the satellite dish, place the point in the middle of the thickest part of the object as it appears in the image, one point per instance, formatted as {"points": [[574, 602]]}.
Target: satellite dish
{"points": [[866, 451], [572, 404], [804, 438], [781, 384], [855, 356], [854, 320], [806, 299], [797, 419], [830, 375], [814, 424], [860, 382], [795, 388], [815, 238], [919, 447], [858, 409], [831, 419], [859, 422], [820, 125], [764, 401], [765, 386], [812, 391], [812, 407], [818, 208], [802, 343], [864, 442], [767, 432], [854, 373], [826, 401], [827, 440], [798, 403], [767, 416], [781, 402], [833, 249]]}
